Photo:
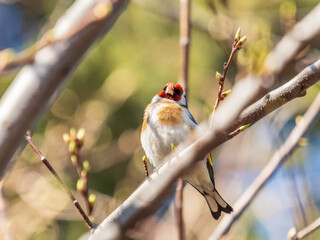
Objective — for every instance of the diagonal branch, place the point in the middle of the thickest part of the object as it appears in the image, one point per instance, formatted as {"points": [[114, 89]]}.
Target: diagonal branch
{"points": [[36, 83], [293, 42], [293, 235], [297, 87], [149, 195], [279, 157]]}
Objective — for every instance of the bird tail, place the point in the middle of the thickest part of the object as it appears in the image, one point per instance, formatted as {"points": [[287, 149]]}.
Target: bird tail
{"points": [[217, 204]]}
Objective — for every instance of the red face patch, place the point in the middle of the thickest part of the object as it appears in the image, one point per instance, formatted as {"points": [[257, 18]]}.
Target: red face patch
{"points": [[172, 91]]}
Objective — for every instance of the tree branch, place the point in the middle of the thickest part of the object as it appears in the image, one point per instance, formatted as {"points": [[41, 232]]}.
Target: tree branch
{"points": [[304, 232], [184, 23], [149, 195], [45, 161], [184, 43], [36, 83], [269, 170], [293, 42], [297, 87]]}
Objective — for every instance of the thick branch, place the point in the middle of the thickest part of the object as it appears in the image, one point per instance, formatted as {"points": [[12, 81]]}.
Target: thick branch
{"points": [[297, 87], [36, 83], [269, 170], [149, 195]]}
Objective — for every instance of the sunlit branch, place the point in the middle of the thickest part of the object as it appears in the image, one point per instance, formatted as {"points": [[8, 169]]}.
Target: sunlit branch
{"points": [[279, 157], [36, 83]]}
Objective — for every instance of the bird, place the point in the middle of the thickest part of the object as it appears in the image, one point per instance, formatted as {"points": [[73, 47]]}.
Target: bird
{"points": [[167, 122]]}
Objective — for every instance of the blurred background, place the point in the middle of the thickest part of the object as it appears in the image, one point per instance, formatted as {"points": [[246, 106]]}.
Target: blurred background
{"points": [[106, 95]]}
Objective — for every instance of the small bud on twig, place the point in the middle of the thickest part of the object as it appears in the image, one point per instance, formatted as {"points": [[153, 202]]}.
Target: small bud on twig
{"points": [[292, 233], [72, 148], [74, 159], [73, 133], [80, 185], [80, 137], [303, 142], [102, 10], [244, 127], [237, 35], [173, 147], [219, 78], [66, 137], [225, 94], [86, 165], [92, 199], [84, 173], [241, 42]]}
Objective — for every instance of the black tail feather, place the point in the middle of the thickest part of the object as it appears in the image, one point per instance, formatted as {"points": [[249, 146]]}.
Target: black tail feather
{"points": [[217, 204]]}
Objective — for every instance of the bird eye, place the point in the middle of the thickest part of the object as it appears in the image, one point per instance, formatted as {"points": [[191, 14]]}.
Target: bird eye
{"points": [[177, 91], [165, 88]]}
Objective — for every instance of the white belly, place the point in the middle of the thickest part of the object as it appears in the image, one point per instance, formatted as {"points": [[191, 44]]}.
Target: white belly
{"points": [[156, 140]]}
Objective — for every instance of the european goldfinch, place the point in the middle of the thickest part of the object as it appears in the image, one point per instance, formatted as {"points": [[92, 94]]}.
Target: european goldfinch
{"points": [[168, 121]]}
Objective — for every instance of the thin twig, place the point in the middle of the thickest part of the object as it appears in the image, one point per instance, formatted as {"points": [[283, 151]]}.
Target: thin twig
{"points": [[236, 46], [178, 208], [221, 82], [184, 43], [75, 142], [61, 183], [183, 80], [269, 170]]}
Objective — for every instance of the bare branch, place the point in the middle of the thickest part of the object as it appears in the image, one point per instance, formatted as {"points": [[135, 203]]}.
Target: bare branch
{"points": [[178, 208], [36, 83], [269, 170], [293, 235], [297, 87], [59, 180]]}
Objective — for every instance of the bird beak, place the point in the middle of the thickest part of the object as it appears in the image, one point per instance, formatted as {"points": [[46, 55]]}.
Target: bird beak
{"points": [[170, 89]]}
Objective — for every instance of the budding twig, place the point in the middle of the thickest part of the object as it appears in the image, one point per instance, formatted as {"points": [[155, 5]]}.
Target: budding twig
{"points": [[237, 45], [61, 183], [75, 141]]}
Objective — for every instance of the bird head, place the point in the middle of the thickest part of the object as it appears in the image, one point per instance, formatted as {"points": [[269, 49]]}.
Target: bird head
{"points": [[173, 92]]}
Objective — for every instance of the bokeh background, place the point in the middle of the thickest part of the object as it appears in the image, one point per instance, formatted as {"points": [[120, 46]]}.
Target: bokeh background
{"points": [[106, 95]]}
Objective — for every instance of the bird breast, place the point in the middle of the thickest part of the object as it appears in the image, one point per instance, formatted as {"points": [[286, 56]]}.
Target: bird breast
{"points": [[165, 125]]}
